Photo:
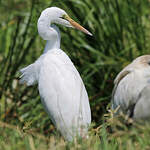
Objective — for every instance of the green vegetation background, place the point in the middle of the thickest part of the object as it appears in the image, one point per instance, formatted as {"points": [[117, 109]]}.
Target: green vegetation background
{"points": [[120, 33]]}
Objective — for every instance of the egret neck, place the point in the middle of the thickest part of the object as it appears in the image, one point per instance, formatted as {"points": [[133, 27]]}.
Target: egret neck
{"points": [[53, 43], [50, 33]]}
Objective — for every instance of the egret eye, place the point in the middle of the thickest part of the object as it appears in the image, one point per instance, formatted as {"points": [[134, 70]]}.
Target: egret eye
{"points": [[62, 17]]}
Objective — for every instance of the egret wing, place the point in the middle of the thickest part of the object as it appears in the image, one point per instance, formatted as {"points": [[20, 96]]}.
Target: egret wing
{"points": [[30, 74]]}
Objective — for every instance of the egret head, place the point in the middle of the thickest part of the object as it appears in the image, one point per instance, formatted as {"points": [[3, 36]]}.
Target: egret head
{"points": [[59, 16], [142, 62]]}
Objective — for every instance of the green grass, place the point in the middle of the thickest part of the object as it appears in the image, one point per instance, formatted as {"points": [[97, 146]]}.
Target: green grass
{"points": [[120, 34], [114, 134]]}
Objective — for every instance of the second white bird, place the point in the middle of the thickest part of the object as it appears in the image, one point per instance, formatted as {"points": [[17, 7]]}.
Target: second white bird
{"points": [[132, 89]]}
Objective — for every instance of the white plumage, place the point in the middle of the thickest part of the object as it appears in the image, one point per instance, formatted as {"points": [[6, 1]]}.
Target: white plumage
{"points": [[62, 91], [132, 89]]}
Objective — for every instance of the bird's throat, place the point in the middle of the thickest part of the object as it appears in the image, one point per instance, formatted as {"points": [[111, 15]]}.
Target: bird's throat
{"points": [[54, 41], [50, 45]]}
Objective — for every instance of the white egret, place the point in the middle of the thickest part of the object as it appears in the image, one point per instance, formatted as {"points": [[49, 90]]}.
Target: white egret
{"points": [[61, 88], [132, 89]]}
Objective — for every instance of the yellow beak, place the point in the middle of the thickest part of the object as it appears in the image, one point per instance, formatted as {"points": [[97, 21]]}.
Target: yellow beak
{"points": [[76, 25]]}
